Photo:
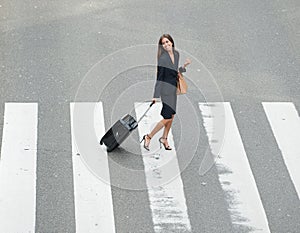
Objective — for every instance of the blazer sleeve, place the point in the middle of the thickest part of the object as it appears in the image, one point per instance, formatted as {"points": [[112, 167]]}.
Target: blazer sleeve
{"points": [[182, 69], [159, 81]]}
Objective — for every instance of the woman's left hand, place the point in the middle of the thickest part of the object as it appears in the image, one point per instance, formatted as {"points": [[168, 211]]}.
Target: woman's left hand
{"points": [[187, 62]]}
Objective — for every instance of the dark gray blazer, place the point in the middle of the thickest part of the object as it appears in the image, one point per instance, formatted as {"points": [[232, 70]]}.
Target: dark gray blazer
{"points": [[167, 72]]}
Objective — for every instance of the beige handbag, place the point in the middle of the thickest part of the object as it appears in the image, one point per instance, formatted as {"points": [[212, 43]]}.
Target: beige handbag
{"points": [[181, 84]]}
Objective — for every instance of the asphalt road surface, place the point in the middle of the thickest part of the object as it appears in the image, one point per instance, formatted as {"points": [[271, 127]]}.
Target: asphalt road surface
{"points": [[245, 62]]}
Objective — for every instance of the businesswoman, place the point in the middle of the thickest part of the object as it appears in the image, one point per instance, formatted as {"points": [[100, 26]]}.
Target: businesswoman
{"points": [[165, 88]]}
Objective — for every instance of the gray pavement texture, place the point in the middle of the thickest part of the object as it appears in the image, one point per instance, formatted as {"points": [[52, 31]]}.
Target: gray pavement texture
{"points": [[251, 48]]}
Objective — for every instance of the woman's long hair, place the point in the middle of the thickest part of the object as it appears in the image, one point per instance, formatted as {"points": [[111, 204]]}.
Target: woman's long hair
{"points": [[161, 50]]}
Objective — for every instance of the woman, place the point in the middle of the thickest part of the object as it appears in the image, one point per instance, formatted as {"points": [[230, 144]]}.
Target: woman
{"points": [[165, 88]]}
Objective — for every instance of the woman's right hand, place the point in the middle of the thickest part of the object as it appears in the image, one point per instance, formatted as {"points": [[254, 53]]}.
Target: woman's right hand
{"points": [[153, 102]]}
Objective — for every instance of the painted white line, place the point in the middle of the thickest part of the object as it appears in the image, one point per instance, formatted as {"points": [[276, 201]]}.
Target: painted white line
{"points": [[18, 168], [285, 122], [233, 168], [93, 200], [165, 188]]}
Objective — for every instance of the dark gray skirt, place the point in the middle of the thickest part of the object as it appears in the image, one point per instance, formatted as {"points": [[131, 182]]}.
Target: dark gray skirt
{"points": [[169, 103]]}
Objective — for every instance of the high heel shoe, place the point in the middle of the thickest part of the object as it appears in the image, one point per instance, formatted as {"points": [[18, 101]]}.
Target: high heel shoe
{"points": [[166, 147], [144, 139]]}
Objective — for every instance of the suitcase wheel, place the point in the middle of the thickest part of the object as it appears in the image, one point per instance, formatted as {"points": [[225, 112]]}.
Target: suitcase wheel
{"points": [[109, 149]]}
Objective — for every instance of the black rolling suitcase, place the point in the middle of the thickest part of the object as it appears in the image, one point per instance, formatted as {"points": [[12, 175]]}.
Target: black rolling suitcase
{"points": [[120, 131]]}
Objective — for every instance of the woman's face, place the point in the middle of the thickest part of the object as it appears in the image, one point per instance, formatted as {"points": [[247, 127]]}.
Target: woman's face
{"points": [[167, 44]]}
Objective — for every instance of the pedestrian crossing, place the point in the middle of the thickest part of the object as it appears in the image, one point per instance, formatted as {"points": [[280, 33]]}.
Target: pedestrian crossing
{"points": [[18, 168], [94, 208], [165, 188], [234, 171], [89, 191], [285, 123]]}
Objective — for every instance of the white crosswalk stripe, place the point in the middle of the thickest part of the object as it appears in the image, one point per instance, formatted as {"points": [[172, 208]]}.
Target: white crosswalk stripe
{"points": [[18, 168], [93, 200], [165, 188], [235, 174], [285, 123]]}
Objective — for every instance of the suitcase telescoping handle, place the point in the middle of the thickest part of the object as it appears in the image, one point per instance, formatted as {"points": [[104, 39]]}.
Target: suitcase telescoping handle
{"points": [[153, 102]]}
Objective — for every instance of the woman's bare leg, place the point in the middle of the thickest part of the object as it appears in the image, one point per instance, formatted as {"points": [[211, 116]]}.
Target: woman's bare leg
{"points": [[158, 127], [167, 123], [167, 130], [168, 127]]}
